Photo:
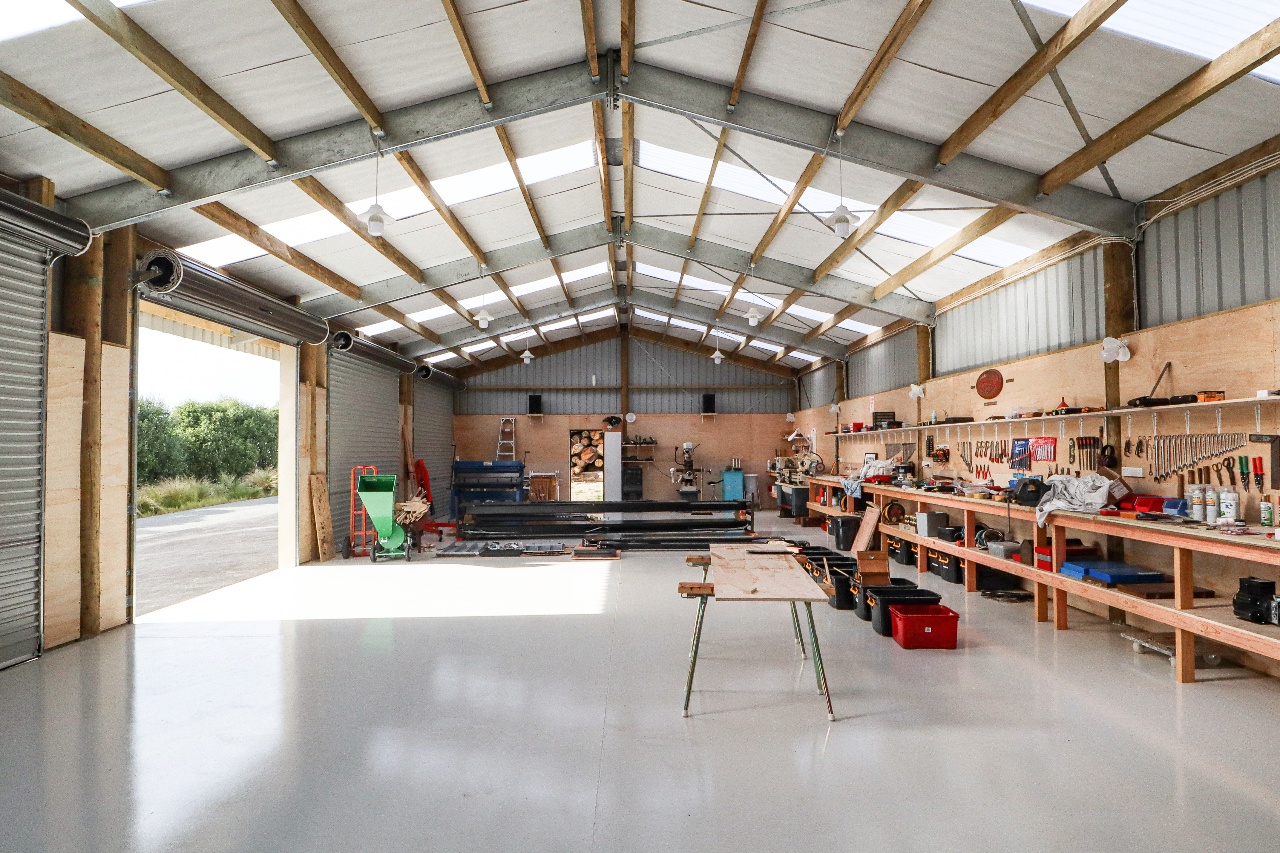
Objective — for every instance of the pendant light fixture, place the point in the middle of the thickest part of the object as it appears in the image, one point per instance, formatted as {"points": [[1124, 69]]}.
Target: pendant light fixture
{"points": [[375, 219], [717, 356], [526, 356], [841, 220], [483, 318], [754, 317]]}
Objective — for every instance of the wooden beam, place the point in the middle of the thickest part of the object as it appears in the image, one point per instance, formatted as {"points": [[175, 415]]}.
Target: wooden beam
{"points": [[627, 53], [790, 299], [628, 163], [704, 350], [1254, 51], [589, 37], [491, 364], [884, 56], [873, 338], [301, 22], [631, 268], [1079, 242], [38, 189], [420, 179], [1119, 288], [505, 139], [138, 42], [602, 162], [867, 228], [1070, 36], [924, 354], [1227, 175], [984, 224], [624, 371], [460, 33], [322, 196], [757, 18], [831, 322], [706, 191], [38, 109]]}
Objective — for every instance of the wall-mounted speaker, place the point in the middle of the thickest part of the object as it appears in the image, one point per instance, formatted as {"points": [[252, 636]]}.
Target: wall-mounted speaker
{"points": [[535, 404], [708, 404]]}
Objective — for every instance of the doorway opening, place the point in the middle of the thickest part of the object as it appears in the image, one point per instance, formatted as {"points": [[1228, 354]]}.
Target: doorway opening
{"points": [[205, 506]]}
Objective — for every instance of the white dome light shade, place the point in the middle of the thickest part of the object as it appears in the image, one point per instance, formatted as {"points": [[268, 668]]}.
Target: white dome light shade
{"points": [[754, 317], [375, 220], [717, 356], [526, 356], [841, 221], [1114, 350], [483, 318]]}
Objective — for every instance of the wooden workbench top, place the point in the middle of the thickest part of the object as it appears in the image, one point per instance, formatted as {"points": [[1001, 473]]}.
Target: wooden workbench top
{"points": [[740, 575]]}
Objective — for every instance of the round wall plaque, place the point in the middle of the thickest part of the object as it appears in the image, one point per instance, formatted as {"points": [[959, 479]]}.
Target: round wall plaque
{"points": [[990, 383]]}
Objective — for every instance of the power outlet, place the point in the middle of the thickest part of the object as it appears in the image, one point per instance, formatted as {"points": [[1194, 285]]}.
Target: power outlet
{"points": [[1133, 472]]}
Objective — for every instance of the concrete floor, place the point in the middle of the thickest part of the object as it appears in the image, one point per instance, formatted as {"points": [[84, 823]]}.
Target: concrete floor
{"points": [[446, 706], [181, 555]]}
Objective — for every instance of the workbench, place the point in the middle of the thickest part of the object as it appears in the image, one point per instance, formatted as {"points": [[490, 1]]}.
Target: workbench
{"points": [[1189, 617], [757, 572], [826, 494]]}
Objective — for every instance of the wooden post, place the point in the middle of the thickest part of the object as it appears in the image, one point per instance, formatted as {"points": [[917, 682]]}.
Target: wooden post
{"points": [[1119, 288], [39, 190], [1184, 650], [1183, 579], [970, 567], [1041, 591], [624, 371], [406, 434], [82, 313], [1059, 595]]}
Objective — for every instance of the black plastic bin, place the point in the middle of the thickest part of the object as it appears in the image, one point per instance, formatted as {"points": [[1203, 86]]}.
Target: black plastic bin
{"points": [[844, 598], [881, 619], [862, 610], [842, 528], [898, 551]]}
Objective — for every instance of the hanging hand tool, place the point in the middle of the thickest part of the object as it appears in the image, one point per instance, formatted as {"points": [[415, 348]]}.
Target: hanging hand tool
{"points": [[1244, 471], [1228, 466], [1257, 473], [1217, 469]]}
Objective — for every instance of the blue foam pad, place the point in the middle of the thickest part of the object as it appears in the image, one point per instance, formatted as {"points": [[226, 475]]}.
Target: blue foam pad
{"points": [[1073, 571], [1112, 571]]}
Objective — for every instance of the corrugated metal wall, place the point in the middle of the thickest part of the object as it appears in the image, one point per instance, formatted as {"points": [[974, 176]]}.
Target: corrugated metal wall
{"points": [[1059, 307], [433, 438], [1220, 254], [818, 387], [575, 367], [883, 366], [654, 364], [364, 429]]}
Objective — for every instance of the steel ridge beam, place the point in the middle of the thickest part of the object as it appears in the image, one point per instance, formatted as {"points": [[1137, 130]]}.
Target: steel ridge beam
{"points": [[315, 151], [512, 323], [707, 316], [463, 270], [779, 272], [883, 150]]}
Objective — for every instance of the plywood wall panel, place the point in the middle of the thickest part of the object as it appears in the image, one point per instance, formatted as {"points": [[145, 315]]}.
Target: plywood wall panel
{"points": [[62, 490], [116, 467]]}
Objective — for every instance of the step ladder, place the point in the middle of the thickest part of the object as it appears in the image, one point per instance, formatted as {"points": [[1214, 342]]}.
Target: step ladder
{"points": [[506, 439]]}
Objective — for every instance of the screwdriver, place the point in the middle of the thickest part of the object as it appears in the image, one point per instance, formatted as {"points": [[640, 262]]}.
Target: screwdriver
{"points": [[1244, 471], [1257, 472]]}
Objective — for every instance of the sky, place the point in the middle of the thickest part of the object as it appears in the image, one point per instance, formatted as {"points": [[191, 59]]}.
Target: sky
{"points": [[175, 370]]}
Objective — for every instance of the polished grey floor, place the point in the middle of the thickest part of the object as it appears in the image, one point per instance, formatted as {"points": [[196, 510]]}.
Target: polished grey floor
{"points": [[180, 555], [526, 730]]}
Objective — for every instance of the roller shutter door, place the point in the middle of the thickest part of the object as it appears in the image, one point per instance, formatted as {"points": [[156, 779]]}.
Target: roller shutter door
{"points": [[364, 429], [22, 381], [433, 438]]}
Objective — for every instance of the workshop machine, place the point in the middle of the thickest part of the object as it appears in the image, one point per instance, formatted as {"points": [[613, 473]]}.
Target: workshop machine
{"points": [[688, 477], [477, 481]]}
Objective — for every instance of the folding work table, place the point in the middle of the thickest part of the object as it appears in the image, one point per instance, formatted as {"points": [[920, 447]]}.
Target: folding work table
{"points": [[757, 572]]}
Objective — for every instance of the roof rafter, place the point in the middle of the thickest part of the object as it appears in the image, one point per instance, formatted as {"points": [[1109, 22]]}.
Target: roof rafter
{"points": [[867, 228], [984, 224], [1068, 37], [464, 43], [753, 31], [589, 37], [140, 43], [1259, 48], [491, 364], [880, 62]]}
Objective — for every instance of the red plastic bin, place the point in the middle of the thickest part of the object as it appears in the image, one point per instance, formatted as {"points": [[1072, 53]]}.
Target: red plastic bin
{"points": [[924, 626]]}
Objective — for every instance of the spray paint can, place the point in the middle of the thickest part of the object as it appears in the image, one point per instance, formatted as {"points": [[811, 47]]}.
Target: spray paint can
{"points": [[1196, 496], [1268, 510], [1228, 504], [1211, 505]]}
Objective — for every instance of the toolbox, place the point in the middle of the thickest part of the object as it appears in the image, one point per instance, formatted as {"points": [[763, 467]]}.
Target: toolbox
{"points": [[862, 609], [931, 523], [880, 599], [924, 626]]}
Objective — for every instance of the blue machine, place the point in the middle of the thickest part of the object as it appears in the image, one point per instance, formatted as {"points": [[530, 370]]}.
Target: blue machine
{"points": [[492, 481], [733, 485]]}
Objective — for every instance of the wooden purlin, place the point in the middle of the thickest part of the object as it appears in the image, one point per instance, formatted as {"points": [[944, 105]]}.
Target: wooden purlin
{"points": [[753, 32], [867, 228], [589, 37], [468, 53], [902, 28], [983, 225]]}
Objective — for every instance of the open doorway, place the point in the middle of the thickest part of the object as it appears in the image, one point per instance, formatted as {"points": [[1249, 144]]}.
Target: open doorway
{"points": [[207, 485]]}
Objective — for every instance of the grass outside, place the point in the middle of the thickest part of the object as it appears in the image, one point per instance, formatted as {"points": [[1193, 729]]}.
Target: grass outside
{"points": [[179, 493]]}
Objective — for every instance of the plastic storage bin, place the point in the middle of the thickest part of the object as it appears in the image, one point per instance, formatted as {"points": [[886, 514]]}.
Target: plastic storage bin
{"points": [[863, 610], [882, 599], [924, 626]]}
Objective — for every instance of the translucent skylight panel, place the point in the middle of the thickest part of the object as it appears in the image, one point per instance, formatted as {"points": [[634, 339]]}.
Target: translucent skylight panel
{"points": [[769, 302], [649, 315], [804, 356], [439, 357], [658, 272], [379, 328], [669, 161], [490, 180], [554, 164], [571, 276], [743, 181], [307, 228], [400, 204], [475, 302], [703, 284], [431, 313], [764, 345], [728, 336], [535, 286], [860, 328], [20, 17], [685, 324], [598, 315], [221, 251], [808, 313], [557, 325], [518, 336], [480, 347], [1205, 28]]}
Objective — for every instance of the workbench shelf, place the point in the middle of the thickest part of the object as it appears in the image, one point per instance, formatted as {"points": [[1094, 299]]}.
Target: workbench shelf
{"points": [[1189, 617], [823, 509], [828, 495]]}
